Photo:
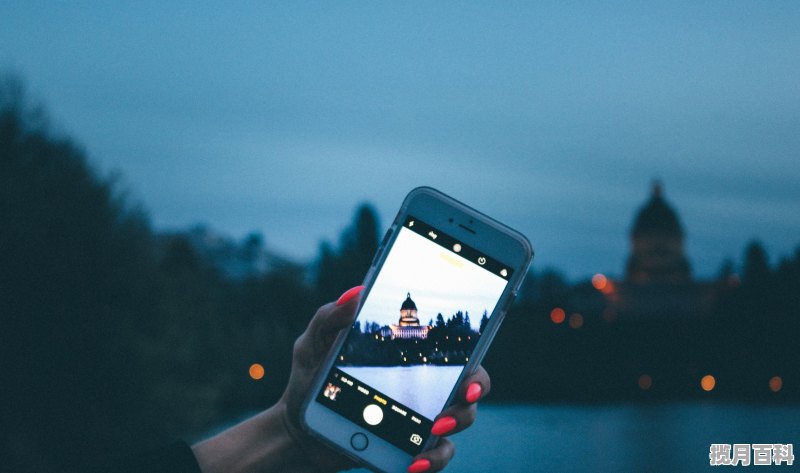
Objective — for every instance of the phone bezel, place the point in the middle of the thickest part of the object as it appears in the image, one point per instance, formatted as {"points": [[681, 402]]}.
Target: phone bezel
{"points": [[472, 228]]}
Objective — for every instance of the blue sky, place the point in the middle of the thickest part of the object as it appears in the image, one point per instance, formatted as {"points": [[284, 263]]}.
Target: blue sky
{"points": [[552, 117]]}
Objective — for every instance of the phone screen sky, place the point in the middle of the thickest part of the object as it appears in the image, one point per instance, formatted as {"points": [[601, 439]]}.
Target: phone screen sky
{"points": [[414, 334]]}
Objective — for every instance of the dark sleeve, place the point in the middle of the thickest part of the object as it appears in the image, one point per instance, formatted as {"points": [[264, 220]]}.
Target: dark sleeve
{"points": [[173, 458]]}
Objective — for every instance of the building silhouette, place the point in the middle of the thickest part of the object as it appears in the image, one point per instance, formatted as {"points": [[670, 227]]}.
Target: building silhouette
{"points": [[657, 280], [657, 255]]}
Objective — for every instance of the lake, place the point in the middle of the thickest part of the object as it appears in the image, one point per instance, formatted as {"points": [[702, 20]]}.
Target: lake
{"points": [[649, 437], [423, 388]]}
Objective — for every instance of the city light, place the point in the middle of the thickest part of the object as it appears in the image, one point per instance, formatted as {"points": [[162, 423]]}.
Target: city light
{"points": [[557, 315], [256, 371], [775, 384], [576, 321], [599, 281], [645, 382], [708, 382]]}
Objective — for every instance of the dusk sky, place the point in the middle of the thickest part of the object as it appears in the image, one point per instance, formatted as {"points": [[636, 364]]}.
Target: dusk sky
{"points": [[552, 117]]}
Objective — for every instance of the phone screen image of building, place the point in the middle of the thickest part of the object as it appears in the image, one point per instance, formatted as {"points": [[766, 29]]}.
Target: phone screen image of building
{"points": [[420, 322]]}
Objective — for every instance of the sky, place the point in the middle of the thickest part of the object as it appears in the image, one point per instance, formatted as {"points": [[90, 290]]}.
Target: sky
{"points": [[438, 280], [553, 117]]}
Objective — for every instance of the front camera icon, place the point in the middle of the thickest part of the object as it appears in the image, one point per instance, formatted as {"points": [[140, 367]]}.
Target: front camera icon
{"points": [[481, 260]]}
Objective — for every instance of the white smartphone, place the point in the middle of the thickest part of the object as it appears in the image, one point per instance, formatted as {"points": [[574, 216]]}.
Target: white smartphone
{"points": [[436, 293]]}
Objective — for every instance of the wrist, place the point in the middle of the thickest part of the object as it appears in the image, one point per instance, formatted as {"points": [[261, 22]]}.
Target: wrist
{"points": [[267, 442]]}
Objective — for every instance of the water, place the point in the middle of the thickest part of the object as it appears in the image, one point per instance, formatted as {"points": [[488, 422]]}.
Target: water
{"points": [[656, 437], [423, 388]]}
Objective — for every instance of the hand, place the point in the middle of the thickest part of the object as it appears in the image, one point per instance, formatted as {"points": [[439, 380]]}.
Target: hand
{"points": [[310, 351], [274, 439]]}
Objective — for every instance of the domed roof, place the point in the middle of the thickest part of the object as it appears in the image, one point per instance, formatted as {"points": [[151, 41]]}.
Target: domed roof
{"points": [[656, 217], [408, 304]]}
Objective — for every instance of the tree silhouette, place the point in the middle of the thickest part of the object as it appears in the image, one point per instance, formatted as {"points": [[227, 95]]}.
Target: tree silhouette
{"points": [[756, 264], [339, 270], [77, 278]]}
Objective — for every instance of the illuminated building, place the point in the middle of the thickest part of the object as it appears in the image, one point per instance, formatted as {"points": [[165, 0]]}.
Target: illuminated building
{"points": [[408, 326]]}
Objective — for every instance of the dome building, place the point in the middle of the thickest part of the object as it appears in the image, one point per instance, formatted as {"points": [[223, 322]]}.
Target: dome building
{"points": [[657, 255], [408, 327], [658, 282]]}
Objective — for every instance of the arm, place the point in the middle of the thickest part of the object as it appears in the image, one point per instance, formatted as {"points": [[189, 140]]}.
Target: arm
{"points": [[261, 443]]}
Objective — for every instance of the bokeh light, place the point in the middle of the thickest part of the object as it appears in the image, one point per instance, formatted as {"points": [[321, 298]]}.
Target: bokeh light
{"points": [[256, 371], [708, 382], [599, 281], [775, 384], [558, 315], [576, 321]]}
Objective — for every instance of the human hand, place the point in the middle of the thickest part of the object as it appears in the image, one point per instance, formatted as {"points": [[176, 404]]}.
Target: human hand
{"points": [[310, 351], [273, 440]]}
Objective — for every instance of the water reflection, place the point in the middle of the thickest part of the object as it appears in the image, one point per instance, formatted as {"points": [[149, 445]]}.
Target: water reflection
{"points": [[423, 388], [652, 437]]}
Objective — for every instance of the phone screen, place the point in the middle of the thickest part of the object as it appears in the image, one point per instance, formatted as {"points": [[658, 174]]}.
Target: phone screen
{"points": [[414, 334]]}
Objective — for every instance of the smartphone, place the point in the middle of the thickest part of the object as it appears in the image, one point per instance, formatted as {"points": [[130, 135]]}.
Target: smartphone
{"points": [[436, 292]]}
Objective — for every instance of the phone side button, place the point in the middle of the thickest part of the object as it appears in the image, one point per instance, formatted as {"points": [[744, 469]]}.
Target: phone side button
{"points": [[359, 441]]}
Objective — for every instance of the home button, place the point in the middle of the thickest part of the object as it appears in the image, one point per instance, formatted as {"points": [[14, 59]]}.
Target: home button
{"points": [[359, 441]]}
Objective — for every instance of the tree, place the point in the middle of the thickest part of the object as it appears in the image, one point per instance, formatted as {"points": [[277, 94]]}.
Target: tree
{"points": [[339, 270], [756, 264], [484, 322], [77, 280]]}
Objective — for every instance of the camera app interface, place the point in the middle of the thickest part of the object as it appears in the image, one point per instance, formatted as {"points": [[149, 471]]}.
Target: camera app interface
{"points": [[416, 330]]}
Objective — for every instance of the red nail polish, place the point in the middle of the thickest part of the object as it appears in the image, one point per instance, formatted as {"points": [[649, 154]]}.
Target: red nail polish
{"points": [[473, 392], [349, 294], [443, 425], [419, 466]]}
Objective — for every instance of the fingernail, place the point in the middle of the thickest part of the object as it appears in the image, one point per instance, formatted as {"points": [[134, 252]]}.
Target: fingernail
{"points": [[443, 425], [419, 466], [473, 392], [348, 295]]}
